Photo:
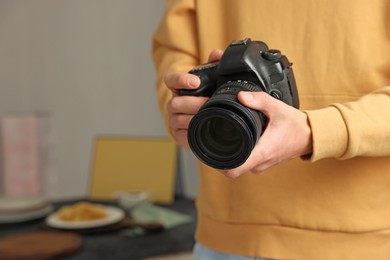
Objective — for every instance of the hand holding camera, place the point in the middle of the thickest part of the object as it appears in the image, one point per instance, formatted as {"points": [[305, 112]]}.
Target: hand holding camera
{"points": [[181, 109], [225, 132]]}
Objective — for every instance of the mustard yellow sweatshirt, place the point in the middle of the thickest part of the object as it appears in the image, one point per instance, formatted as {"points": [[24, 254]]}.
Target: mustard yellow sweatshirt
{"points": [[336, 205]]}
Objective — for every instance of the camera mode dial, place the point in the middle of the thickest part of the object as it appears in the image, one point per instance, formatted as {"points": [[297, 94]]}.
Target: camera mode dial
{"points": [[271, 54]]}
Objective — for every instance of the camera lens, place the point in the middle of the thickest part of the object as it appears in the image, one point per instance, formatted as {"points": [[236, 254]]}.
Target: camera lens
{"points": [[223, 133], [221, 138]]}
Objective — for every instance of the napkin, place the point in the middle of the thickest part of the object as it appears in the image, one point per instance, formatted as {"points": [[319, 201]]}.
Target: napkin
{"points": [[147, 212]]}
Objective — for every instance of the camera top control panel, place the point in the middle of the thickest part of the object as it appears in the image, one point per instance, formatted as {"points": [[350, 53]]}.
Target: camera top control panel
{"points": [[271, 54], [249, 61]]}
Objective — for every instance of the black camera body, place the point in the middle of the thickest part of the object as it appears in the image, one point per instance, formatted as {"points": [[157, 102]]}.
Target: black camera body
{"points": [[223, 132]]}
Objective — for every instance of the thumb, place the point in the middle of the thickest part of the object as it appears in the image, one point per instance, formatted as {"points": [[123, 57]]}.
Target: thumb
{"points": [[260, 101]]}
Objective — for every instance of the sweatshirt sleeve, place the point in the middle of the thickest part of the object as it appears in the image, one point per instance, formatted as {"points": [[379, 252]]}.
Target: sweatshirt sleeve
{"points": [[358, 128], [174, 46]]}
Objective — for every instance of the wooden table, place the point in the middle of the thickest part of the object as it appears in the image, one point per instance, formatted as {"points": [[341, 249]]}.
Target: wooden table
{"points": [[116, 246]]}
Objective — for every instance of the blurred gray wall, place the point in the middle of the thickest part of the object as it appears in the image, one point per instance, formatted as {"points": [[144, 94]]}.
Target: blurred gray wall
{"points": [[87, 63]]}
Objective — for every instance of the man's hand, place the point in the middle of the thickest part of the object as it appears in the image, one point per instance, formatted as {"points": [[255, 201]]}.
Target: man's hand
{"points": [[287, 135], [181, 109]]}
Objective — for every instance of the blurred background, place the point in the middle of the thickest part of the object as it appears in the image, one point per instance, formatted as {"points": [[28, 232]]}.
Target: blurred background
{"points": [[84, 69]]}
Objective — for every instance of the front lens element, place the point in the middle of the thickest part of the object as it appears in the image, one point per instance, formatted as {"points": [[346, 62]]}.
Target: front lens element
{"points": [[221, 138]]}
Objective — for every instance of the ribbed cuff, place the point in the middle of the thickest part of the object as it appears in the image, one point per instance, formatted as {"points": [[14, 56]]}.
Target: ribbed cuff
{"points": [[329, 133]]}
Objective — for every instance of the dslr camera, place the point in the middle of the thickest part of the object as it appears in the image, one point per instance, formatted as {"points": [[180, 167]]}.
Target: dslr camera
{"points": [[223, 132]]}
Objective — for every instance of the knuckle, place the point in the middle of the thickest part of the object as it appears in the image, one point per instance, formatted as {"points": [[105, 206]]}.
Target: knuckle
{"points": [[258, 170], [174, 123], [231, 173], [169, 107], [179, 121], [174, 105], [167, 78]]}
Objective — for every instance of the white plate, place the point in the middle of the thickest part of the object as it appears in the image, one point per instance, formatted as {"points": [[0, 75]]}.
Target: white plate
{"points": [[18, 217], [22, 204], [114, 215]]}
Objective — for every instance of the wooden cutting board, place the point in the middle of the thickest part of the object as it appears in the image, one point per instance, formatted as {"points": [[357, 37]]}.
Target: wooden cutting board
{"points": [[39, 245]]}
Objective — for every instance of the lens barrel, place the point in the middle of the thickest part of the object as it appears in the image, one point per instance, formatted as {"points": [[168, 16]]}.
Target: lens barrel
{"points": [[224, 132]]}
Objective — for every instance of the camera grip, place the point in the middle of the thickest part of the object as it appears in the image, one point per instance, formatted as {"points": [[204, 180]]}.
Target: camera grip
{"points": [[206, 74], [204, 90]]}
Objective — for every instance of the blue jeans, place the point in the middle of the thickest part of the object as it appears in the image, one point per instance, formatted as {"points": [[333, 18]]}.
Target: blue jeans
{"points": [[204, 253]]}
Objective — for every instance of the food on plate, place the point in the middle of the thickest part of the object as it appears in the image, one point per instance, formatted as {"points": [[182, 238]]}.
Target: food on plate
{"points": [[82, 211]]}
